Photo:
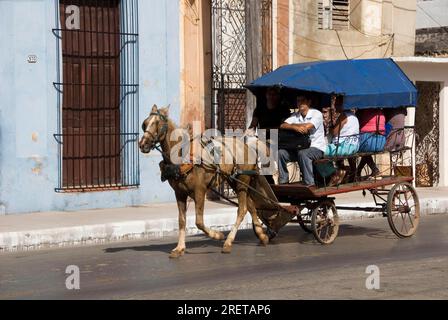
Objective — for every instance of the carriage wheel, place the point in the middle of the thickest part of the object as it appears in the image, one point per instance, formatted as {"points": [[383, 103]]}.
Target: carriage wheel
{"points": [[403, 210], [305, 222], [325, 222]]}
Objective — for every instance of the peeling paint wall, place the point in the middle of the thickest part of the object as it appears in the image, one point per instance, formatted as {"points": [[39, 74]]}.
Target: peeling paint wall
{"points": [[28, 110], [378, 28]]}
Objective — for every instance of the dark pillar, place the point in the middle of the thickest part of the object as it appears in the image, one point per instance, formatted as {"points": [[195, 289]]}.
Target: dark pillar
{"points": [[253, 49]]}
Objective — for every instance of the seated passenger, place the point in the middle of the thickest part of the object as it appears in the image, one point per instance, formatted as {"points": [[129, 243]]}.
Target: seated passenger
{"points": [[395, 123], [306, 121], [344, 132], [372, 124], [270, 115]]}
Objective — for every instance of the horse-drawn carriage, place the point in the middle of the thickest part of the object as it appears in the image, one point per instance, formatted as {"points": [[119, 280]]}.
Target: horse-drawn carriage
{"points": [[373, 84], [363, 84]]}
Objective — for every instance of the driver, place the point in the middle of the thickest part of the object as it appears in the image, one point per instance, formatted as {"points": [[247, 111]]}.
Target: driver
{"points": [[269, 115]]}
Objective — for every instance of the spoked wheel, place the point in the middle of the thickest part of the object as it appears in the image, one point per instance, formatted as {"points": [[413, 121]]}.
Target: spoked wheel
{"points": [[325, 222], [403, 210], [305, 221]]}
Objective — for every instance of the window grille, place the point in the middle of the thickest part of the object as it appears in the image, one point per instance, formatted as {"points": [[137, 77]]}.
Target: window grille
{"points": [[97, 86]]}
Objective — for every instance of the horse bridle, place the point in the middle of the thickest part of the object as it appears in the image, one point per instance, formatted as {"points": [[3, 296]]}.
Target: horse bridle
{"points": [[157, 139]]}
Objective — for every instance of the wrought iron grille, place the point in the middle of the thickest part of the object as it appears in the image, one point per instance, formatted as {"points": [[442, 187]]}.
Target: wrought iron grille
{"points": [[427, 125], [229, 59], [229, 63], [267, 30], [97, 85]]}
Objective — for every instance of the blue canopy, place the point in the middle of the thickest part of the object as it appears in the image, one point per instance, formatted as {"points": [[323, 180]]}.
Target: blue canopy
{"points": [[363, 83]]}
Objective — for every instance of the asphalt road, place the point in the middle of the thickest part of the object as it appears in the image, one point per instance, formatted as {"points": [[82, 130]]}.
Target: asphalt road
{"points": [[293, 266]]}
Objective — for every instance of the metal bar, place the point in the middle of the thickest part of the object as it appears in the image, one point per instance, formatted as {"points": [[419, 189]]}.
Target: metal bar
{"points": [[94, 84], [107, 143], [58, 94], [95, 32], [137, 57], [126, 75], [365, 209]]}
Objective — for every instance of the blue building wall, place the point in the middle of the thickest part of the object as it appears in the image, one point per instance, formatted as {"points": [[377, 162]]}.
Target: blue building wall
{"points": [[28, 106]]}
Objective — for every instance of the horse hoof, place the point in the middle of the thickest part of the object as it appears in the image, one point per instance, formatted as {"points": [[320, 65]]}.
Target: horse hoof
{"points": [[264, 241], [227, 249], [176, 254]]}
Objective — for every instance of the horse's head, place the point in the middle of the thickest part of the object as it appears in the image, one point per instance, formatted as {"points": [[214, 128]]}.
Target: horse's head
{"points": [[155, 129]]}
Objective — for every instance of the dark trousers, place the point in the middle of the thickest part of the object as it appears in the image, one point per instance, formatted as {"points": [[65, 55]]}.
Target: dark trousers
{"points": [[304, 157]]}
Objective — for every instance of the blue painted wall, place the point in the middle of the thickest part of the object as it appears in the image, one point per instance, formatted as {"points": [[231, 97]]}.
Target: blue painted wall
{"points": [[28, 106]]}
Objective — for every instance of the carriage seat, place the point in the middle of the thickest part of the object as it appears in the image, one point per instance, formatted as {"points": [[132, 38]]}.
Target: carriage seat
{"points": [[361, 154]]}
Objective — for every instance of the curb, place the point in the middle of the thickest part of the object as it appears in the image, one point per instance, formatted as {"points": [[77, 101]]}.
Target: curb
{"points": [[157, 229]]}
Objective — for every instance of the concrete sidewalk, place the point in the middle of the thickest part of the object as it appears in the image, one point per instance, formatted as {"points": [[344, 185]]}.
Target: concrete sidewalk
{"points": [[58, 229]]}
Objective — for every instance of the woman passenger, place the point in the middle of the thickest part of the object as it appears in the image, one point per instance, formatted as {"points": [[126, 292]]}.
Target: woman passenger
{"points": [[344, 133], [372, 139], [396, 119]]}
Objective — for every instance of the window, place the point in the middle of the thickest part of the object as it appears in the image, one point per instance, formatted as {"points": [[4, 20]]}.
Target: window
{"points": [[98, 94], [333, 14]]}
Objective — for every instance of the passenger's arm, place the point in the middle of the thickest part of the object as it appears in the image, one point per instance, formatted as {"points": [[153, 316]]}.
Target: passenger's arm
{"points": [[254, 123], [302, 128], [340, 123]]}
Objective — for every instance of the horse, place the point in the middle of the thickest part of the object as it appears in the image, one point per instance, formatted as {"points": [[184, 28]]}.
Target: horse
{"points": [[195, 183]]}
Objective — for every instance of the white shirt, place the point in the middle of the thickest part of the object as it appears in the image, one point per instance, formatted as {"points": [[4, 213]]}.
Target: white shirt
{"points": [[350, 131], [317, 134]]}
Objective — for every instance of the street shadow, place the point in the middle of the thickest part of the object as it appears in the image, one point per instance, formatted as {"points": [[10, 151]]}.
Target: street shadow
{"points": [[348, 230], [288, 234], [244, 238], [168, 247], [291, 234]]}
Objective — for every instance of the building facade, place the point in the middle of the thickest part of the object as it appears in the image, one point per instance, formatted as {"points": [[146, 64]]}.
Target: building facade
{"points": [[352, 29], [429, 70], [432, 33], [77, 78], [74, 91]]}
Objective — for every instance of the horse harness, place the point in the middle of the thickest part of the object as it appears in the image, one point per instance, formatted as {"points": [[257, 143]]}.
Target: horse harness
{"points": [[171, 171]]}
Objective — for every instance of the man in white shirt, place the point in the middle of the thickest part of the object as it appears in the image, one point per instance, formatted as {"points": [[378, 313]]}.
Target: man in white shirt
{"points": [[306, 121]]}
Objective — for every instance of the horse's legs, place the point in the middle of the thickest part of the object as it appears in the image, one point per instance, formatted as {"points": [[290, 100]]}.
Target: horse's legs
{"points": [[182, 207], [199, 200], [242, 211], [258, 228]]}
